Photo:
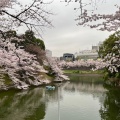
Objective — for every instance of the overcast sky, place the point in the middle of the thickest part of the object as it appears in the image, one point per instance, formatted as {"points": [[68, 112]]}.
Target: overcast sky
{"points": [[66, 36]]}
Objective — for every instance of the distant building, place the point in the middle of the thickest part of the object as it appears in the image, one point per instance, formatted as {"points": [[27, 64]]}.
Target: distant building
{"points": [[89, 54], [95, 48], [68, 57], [48, 53]]}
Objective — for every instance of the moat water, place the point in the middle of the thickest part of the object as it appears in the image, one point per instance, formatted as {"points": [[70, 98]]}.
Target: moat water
{"points": [[83, 98]]}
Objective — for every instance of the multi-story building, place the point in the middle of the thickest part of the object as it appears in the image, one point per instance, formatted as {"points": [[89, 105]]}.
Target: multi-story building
{"points": [[68, 57], [89, 54]]}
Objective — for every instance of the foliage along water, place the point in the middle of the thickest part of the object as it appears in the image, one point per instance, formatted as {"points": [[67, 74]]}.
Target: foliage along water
{"points": [[83, 98]]}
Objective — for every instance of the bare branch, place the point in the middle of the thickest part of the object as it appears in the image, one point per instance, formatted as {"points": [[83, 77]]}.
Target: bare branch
{"points": [[34, 16], [26, 9]]}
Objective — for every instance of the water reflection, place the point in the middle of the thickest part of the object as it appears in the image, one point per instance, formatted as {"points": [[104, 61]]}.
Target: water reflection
{"points": [[86, 84], [110, 110], [25, 105], [77, 99]]}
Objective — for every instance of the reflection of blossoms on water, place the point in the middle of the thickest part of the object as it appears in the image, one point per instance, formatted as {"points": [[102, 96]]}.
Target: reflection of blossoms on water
{"points": [[22, 105], [80, 94], [110, 110]]}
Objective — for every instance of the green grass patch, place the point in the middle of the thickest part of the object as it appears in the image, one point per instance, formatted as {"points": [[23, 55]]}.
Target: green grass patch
{"points": [[83, 71], [46, 76], [7, 79], [86, 78]]}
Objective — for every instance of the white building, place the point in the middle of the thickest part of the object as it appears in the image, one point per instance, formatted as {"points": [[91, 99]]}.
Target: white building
{"points": [[48, 53], [89, 54]]}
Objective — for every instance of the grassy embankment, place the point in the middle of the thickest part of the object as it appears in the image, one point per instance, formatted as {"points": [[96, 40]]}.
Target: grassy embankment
{"points": [[84, 72]]}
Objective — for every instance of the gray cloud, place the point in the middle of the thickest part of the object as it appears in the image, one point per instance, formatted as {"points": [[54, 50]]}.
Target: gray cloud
{"points": [[66, 36]]}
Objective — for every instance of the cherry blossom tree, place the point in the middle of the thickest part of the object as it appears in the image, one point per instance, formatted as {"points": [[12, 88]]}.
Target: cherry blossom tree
{"points": [[90, 64], [56, 69], [110, 53], [21, 66], [112, 60]]}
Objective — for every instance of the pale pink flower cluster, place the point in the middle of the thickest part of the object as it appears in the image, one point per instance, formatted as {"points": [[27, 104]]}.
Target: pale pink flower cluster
{"points": [[57, 69], [15, 60], [94, 64], [90, 16], [113, 59], [22, 67], [5, 3]]}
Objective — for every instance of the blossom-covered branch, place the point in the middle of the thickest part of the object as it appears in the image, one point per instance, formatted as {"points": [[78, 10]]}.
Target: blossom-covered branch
{"points": [[22, 67], [32, 14], [89, 16]]}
